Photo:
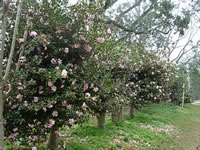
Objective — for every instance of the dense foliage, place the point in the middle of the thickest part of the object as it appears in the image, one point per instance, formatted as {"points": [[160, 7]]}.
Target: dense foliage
{"points": [[73, 67]]}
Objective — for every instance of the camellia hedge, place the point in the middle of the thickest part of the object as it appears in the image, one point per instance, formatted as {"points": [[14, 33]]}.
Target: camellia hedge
{"points": [[73, 67]]}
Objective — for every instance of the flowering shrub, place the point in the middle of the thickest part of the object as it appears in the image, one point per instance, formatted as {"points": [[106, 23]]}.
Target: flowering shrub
{"points": [[51, 88], [148, 78]]}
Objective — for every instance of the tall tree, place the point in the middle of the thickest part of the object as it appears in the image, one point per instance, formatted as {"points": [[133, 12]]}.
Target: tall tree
{"points": [[4, 78]]}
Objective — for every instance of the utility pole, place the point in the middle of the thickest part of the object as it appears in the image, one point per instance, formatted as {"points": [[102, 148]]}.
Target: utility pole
{"points": [[183, 98]]}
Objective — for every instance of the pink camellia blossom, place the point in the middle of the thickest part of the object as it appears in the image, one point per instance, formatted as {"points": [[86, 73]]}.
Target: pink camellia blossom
{"points": [[71, 121], [79, 114], [69, 107], [34, 148], [109, 31], [59, 61], [33, 33], [50, 84], [85, 86], [61, 37], [25, 103], [87, 95], [44, 109], [64, 73], [73, 82], [75, 14], [95, 89], [35, 99], [53, 88], [100, 39], [70, 70], [66, 50], [77, 46], [85, 20], [30, 10], [88, 48], [19, 96], [84, 106], [53, 61], [21, 40], [51, 123], [41, 20], [92, 16], [55, 114]]}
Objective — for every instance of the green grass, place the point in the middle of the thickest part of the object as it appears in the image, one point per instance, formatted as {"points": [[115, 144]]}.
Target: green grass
{"points": [[154, 127]]}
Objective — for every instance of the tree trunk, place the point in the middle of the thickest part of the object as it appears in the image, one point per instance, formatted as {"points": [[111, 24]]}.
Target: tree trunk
{"points": [[117, 114], [131, 111], [4, 24], [13, 40], [53, 139], [120, 118], [1, 115], [101, 119]]}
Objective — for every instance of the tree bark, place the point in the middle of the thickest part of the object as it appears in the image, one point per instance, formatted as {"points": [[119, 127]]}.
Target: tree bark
{"points": [[117, 114], [131, 111], [53, 139], [13, 40], [101, 119], [5, 13]]}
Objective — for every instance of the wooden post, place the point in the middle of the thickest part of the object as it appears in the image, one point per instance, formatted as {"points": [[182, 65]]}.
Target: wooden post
{"points": [[183, 95]]}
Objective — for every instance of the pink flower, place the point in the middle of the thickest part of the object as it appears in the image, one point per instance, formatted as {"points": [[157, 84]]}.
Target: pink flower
{"points": [[51, 123], [79, 113], [73, 82], [53, 61], [95, 89], [25, 103], [66, 50], [53, 88], [61, 37], [21, 40], [100, 39], [34, 148], [92, 16], [41, 20], [85, 86], [77, 46], [55, 114], [35, 99], [50, 84], [88, 48], [71, 121], [69, 107], [59, 61], [33, 33], [84, 106], [30, 10], [64, 73], [109, 31], [85, 20], [87, 95], [75, 14], [19, 96]]}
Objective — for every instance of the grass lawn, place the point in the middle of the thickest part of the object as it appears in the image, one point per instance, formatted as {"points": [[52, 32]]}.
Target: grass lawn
{"points": [[156, 127]]}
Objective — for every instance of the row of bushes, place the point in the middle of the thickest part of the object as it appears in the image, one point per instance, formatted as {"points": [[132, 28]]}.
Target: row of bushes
{"points": [[72, 67]]}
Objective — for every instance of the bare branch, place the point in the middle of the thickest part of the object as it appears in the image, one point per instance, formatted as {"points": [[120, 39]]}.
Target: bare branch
{"points": [[22, 46], [13, 40], [137, 3]]}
